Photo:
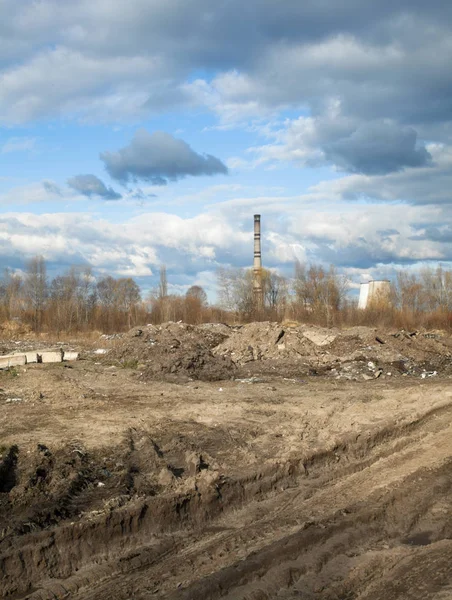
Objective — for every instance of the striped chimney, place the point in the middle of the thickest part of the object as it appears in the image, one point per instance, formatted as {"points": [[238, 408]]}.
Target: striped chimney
{"points": [[257, 267]]}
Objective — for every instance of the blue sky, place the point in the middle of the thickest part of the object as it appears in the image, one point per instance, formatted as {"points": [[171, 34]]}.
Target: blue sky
{"points": [[145, 133]]}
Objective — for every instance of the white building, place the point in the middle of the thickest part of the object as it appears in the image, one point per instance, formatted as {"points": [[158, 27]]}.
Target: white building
{"points": [[373, 290]]}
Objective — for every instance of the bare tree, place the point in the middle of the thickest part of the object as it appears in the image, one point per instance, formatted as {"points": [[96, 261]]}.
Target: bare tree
{"points": [[35, 288], [319, 292], [198, 293], [11, 294], [128, 297], [195, 303], [275, 290]]}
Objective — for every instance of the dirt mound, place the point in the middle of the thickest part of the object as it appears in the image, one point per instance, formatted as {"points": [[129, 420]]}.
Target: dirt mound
{"points": [[355, 353], [270, 341], [210, 352], [174, 351]]}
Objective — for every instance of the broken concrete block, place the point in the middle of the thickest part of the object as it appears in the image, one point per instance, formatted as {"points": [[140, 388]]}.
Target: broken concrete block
{"points": [[12, 361], [71, 355], [32, 357], [51, 356], [319, 337]]}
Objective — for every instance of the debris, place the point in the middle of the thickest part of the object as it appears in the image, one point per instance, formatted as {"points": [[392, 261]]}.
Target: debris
{"points": [[175, 352], [209, 352], [50, 356], [280, 336], [428, 374], [319, 337], [71, 355], [32, 357], [13, 360]]}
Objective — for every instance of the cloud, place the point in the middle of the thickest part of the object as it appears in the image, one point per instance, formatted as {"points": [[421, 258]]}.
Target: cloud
{"points": [[376, 149], [52, 188], [370, 56], [90, 185], [158, 158], [371, 148], [427, 185], [316, 226], [31, 193], [18, 144]]}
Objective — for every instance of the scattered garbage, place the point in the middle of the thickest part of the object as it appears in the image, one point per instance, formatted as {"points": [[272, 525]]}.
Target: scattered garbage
{"points": [[428, 374]]}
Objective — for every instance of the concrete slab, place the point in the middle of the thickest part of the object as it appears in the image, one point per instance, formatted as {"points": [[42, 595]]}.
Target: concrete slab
{"points": [[319, 337], [71, 355], [12, 361], [32, 357], [53, 356]]}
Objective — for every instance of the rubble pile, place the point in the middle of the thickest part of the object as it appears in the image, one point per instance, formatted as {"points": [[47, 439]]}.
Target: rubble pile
{"points": [[360, 353], [216, 351], [270, 341], [174, 351]]}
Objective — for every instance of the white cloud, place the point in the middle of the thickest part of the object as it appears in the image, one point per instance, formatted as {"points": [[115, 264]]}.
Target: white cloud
{"points": [[359, 238], [66, 82]]}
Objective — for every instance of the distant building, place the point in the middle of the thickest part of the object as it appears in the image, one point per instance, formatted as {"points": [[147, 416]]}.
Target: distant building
{"points": [[374, 292]]}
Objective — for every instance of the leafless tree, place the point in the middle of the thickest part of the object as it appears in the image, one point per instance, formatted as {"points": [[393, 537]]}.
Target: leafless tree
{"points": [[35, 288]]}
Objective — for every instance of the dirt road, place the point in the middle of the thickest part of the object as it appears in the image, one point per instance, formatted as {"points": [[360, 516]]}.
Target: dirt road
{"points": [[112, 486]]}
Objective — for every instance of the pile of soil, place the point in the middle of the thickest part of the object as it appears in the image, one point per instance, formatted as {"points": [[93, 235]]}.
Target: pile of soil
{"points": [[354, 353], [270, 341], [210, 352], [174, 352]]}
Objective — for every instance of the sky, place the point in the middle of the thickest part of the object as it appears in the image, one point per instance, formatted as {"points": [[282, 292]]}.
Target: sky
{"points": [[148, 132]]}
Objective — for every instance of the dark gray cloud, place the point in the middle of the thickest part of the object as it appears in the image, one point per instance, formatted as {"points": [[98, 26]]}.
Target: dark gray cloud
{"points": [[425, 185], [376, 149], [440, 234], [158, 158], [90, 185], [390, 59], [363, 61]]}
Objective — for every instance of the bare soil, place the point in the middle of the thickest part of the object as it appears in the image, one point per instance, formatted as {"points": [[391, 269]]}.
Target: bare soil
{"points": [[181, 464]]}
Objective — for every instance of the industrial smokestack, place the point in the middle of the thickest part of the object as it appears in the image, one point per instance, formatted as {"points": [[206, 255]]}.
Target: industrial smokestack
{"points": [[257, 267]]}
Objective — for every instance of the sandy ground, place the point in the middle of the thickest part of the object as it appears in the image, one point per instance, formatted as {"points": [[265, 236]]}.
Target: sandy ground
{"points": [[114, 486]]}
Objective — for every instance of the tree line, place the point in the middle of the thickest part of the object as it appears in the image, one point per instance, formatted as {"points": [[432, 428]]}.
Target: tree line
{"points": [[315, 294], [74, 301], [77, 301]]}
